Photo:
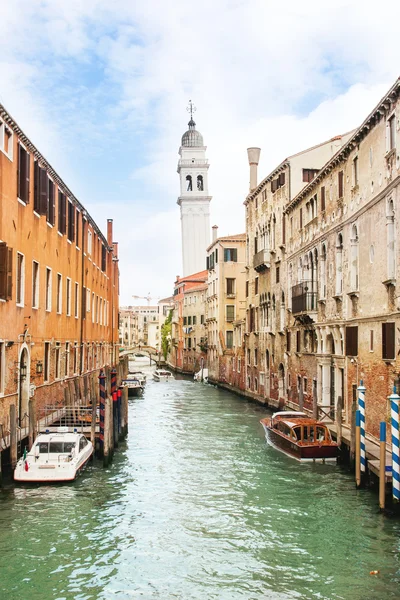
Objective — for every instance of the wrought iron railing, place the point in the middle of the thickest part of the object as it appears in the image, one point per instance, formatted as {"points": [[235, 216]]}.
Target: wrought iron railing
{"points": [[304, 297]]}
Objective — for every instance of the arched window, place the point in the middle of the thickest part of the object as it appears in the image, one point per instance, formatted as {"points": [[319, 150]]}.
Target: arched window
{"points": [[189, 183], [339, 265], [390, 241], [200, 183], [354, 259]]}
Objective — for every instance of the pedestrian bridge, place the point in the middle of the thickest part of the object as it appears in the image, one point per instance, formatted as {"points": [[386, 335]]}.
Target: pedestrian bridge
{"points": [[149, 351]]}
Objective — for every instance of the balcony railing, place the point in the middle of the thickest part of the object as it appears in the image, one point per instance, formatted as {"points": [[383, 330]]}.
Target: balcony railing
{"points": [[261, 260], [304, 297]]}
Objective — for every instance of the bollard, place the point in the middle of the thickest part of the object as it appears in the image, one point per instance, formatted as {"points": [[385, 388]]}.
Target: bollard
{"points": [[102, 390], [394, 408], [382, 464], [358, 448], [361, 408]]}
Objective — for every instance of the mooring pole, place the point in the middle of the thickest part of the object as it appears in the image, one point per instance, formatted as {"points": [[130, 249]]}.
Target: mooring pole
{"points": [[102, 390], [114, 405], [394, 406], [361, 407], [119, 394], [13, 435], [382, 464], [358, 449]]}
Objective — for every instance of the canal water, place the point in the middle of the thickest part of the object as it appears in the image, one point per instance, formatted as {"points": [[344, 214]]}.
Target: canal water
{"points": [[196, 506]]}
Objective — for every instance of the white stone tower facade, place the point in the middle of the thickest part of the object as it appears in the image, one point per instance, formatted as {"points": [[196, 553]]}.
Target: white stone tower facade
{"points": [[194, 200]]}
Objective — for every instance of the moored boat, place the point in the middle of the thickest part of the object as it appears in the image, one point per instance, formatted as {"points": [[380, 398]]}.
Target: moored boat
{"points": [[162, 375], [54, 457], [138, 375], [300, 436], [133, 385]]}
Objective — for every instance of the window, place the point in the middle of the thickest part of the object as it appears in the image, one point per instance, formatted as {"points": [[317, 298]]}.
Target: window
{"points": [[51, 204], [230, 254], [340, 183], [75, 358], [309, 174], [87, 299], [247, 289], [184, 320], [256, 286], [194, 320], [62, 212], [301, 218], [352, 341], [5, 271], [239, 364], [48, 289], [20, 284], [202, 320], [57, 361], [76, 300], [189, 183], [23, 174], [40, 190], [59, 293], [71, 221], [46, 361], [248, 357], [388, 344], [103, 258], [35, 284], [288, 341], [78, 218], [355, 171], [230, 312], [230, 286], [200, 183], [298, 348], [323, 198], [6, 140], [66, 364], [2, 366], [255, 357], [189, 320], [89, 242], [229, 339], [371, 340], [68, 292], [392, 132], [277, 273]]}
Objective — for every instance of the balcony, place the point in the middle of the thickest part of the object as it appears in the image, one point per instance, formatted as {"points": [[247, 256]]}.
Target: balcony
{"points": [[261, 261], [304, 299]]}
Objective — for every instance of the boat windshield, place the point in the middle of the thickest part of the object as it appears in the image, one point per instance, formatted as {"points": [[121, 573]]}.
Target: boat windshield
{"points": [[55, 447]]}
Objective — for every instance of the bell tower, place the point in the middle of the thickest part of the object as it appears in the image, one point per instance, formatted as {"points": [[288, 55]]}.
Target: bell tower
{"points": [[194, 200]]}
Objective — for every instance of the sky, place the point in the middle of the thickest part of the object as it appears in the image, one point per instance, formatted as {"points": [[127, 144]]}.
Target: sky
{"points": [[101, 88]]}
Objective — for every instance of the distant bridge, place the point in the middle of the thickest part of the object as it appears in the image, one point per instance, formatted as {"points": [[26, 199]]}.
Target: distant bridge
{"points": [[149, 351]]}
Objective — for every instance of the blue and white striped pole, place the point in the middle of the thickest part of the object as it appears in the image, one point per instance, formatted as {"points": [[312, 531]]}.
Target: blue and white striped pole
{"points": [[361, 407], [394, 408]]}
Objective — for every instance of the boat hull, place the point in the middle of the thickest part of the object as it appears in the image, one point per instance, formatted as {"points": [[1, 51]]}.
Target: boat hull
{"points": [[51, 473], [303, 453]]}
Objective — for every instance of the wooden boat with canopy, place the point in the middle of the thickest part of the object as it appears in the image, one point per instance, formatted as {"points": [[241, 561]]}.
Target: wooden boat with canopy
{"points": [[300, 436]]}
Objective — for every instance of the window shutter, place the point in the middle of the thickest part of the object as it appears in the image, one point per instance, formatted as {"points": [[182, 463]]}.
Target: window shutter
{"points": [[36, 187], [216, 255], [323, 198], [234, 252], [340, 182], [208, 263], [27, 176], [9, 273], [3, 270], [281, 179], [226, 255], [351, 341], [283, 229], [84, 303], [255, 245], [388, 349], [301, 218], [44, 192]]}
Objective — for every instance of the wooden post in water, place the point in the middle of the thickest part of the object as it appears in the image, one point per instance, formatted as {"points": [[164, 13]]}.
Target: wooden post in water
{"points": [[13, 436], [32, 423], [358, 450], [382, 465], [106, 444], [114, 405], [353, 432], [339, 419], [102, 394]]}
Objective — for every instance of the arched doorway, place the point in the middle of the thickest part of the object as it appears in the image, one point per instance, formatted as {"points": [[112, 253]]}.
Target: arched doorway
{"points": [[23, 387]]}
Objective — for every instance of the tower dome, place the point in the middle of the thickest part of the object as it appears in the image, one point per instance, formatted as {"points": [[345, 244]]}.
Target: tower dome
{"points": [[192, 138]]}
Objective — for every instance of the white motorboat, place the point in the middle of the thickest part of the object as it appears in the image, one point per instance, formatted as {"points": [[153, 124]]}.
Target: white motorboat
{"points": [[133, 385], [161, 375], [138, 375], [54, 457]]}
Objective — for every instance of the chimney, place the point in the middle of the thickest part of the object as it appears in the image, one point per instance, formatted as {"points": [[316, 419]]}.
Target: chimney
{"points": [[214, 232], [109, 231], [253, 156]]}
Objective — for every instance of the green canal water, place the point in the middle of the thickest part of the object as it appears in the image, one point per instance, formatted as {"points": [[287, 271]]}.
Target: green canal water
{"points": [[197, 506]]}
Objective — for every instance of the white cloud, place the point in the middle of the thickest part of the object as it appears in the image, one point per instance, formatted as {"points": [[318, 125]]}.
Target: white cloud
{"points": [[283, 76]]}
